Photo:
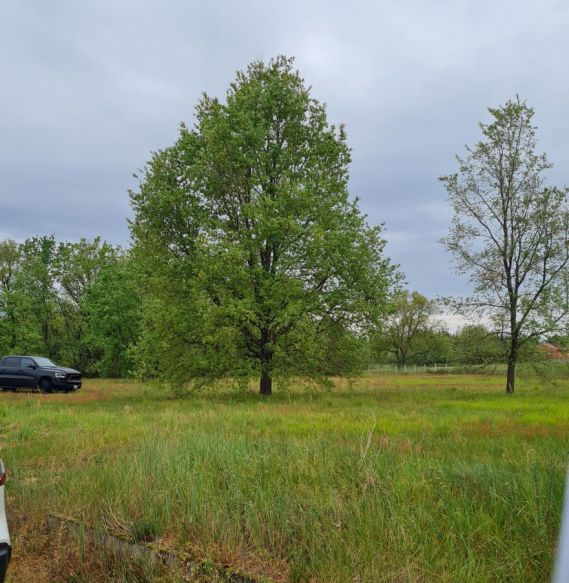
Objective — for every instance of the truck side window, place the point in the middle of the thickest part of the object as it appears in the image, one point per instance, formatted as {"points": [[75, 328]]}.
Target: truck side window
{"points": [[12, 362], [27, 362]]}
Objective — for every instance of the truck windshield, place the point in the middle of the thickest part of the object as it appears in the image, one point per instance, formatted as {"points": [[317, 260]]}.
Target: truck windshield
{"points": [[43, 361]]}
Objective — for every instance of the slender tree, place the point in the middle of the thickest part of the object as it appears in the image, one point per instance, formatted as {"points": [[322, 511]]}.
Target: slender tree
{"points": [[509, 231], [246, 239]]}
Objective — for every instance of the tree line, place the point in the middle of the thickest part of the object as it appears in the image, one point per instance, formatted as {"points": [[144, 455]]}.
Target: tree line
{"points": [[414, 334], [249, 258], [75, 302]]}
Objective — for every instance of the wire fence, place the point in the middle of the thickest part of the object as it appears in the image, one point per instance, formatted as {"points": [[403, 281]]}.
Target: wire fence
{"points": [[547, 369], [410, 368]]}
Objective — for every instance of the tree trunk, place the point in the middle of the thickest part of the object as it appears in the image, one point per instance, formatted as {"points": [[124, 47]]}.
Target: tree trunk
{"points": [[512, 361], [266, 384], [511, 377], [514, 342], [401, 359]]}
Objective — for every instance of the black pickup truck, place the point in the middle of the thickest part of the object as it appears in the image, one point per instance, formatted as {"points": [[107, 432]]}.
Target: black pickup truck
{"points": [[18, 372]]}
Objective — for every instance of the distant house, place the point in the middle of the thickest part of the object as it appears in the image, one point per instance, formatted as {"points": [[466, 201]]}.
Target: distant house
{"points": [[553, 352]]}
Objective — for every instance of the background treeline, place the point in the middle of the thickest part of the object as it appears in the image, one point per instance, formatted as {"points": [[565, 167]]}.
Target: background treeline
{"points": [[470, 346], [80, 304], [75, 302], [412, 333]]}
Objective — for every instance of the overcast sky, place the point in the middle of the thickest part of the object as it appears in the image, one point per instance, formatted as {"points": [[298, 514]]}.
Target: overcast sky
{"points": [[90, 88]]}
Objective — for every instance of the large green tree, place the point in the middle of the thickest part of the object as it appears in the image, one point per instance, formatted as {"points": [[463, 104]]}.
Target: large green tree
{"points": [[248, 246], [509, 232]]}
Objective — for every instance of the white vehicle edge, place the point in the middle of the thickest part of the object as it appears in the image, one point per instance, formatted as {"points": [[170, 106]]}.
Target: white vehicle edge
{"points": [[5, 547], [561, 572]]}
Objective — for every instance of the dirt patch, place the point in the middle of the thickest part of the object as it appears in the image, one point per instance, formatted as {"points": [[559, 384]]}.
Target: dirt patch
{"points": [[58, 549]]}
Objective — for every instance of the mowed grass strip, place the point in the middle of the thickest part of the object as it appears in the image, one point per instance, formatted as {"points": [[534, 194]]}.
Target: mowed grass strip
{"points": [[433, 478]]}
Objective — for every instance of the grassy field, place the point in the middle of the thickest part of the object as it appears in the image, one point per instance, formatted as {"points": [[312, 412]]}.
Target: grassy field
{"points": [[399, 478]]}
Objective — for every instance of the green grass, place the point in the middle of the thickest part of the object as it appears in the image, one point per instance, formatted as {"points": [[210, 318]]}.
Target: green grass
{"points": [[400, 478]]}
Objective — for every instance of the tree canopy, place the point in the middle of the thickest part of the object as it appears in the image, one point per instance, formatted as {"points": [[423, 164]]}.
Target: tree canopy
{"points": [[405, 328], [249, 249]]}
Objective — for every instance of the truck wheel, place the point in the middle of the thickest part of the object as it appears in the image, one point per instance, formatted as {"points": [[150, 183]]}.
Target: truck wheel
{"points": [[4, 389], [45, 386]]}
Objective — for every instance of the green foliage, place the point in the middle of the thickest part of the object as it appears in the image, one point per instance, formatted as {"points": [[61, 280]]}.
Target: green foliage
{"points": [[561, 340], [51, 303], [112, 306], [343, 352], [476, 346], [34, 297], [78, 266], [432, 347], [247, 245], [404, 333], [9, 264]]}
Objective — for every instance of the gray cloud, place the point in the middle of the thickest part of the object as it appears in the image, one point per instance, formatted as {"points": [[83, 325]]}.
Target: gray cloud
{"points": [[90, 89]]}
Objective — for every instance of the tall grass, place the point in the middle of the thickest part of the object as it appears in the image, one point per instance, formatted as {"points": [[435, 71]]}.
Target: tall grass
{"points": [[399, 479]]}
